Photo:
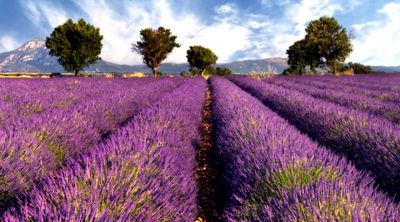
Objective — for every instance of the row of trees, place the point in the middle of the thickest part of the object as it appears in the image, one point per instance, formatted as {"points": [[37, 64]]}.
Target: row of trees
{"points": [[210, 70], [358, 68], [326, 45], [78, 45]]}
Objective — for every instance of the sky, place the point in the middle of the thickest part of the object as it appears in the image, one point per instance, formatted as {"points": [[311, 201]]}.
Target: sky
{"points": [[234, 30]]}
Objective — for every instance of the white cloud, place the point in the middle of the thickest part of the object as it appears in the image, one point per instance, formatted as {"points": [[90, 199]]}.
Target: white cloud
{"points": [[227, 8], [378, 42], [8, 43], [224, 39], [44, 14], [120, 30], [229, 32], [34, 13], [259, 21], [270, 3], [363, 26], [54, 16], [273, 36], [305, 11]]}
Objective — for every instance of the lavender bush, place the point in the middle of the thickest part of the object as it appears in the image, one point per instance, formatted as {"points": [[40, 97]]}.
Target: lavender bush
{"points": [[334, 83], [371, 143], [143, 172], [271, 172], [390, 111], [53, 136]]}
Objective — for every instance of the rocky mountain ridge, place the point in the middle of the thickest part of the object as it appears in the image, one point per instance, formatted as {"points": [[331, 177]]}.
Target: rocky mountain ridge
{"points": [[33, 56]]}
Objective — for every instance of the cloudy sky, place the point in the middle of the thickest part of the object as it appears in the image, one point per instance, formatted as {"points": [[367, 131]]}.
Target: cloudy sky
{"points": [[234, 30]]}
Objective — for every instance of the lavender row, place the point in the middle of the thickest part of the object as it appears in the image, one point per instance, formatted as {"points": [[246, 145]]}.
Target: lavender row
{"points": [[23, 100], [143, 172], [390, 111], [29, 152], [386, 82], [370, 143], [271, 172], [389, 96]]}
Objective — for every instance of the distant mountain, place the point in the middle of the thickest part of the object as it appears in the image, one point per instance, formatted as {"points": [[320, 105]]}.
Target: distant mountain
{"points": [[388, 69], [259, 65], [30, 57], [33, 56]]}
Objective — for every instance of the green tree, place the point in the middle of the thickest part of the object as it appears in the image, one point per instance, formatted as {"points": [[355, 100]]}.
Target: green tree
{"points": [[297, 58], [155, 46], [300, 56], [359, 68], [222, 71], [208, 71], [200, 58], [329, 40], [290, 70], [77, 45]]}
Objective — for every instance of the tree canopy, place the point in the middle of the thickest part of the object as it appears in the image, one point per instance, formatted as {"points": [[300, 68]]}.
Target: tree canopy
{"points": [[77, 45], [222, 71], [301, 55], [200, 57], [210, 70], [326, 44], [155, 46], [359, 68], [330, 40]]}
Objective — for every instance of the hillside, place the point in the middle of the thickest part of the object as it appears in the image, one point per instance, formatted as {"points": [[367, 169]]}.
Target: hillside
{"points": [[33, 56]]}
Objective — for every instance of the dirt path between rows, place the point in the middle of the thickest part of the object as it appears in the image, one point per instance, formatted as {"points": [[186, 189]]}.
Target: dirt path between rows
{"points": [[207, 173]]}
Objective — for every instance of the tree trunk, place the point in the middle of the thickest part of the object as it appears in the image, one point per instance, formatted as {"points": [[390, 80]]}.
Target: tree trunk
{"points": [[202, 72], [334, 68], [76, 73], [155, 71]]}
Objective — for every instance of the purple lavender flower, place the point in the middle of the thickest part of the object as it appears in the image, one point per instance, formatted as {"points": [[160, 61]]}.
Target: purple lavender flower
{"points": [[265, 160], [35, 144], [370, 143], [145, 171]]}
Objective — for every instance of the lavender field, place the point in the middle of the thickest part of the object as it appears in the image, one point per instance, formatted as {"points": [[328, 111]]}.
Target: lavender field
{"points": [[236, 148]]}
